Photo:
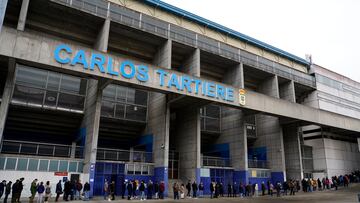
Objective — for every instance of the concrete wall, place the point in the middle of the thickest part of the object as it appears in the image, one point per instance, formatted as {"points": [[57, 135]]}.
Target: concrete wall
{"points": [[334, 157], [292, 148]]}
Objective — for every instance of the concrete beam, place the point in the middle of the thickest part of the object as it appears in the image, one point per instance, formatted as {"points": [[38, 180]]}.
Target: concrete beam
{"points": [[40, 51], [23, 14], [102, 40], [7, 95], [163, 55]]}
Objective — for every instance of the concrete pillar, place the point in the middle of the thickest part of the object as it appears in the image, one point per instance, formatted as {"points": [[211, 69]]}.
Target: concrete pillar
{"points": [[188, 138], [163, 56], [233, 129], [3, 4], [73, 150], [7, 95], [102, 40], [269, 133], [287, 91], [23, 14], [90, 125], [192, 64], [358, 140], [235, 76], [159, 120], [292, 147]]}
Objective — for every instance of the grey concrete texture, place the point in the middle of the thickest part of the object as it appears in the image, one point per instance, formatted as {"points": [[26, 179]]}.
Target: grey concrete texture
{"points": [[38, 48]]}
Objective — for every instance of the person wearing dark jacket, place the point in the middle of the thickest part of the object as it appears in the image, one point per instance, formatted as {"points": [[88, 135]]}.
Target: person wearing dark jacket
{"points": [[78, 187], [229, 190], [149, 189], [2, 187], [7, 191], [188, 188], [194, 189], [15, 188], [263, 188], [67, 190], [72, 189], [156, 190], [123, 189], [58, 190], [112, 190], [86, 191], [129, 188], [40, 190], [20, 189], [234, 187], [212, 189]]}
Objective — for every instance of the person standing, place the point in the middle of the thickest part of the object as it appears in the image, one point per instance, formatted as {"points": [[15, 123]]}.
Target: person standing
{"points": [[2, 188], [78, 187], [40, 190], [7, 191], [201, 190], [129, 188], [256, 190], [161, 190], [182, 191], [106, 189], [234, 187], [86, 191], [268, 187], [241, 190], [156, 190], [142, 188], [194, 189], [149, 189], [20, 189], [67, 190], [58, 190], [263, 188], [32, 190], [188, 188], [123, 189], [212, 189], [47, 191], [15, 189], [176, 190], [229, 190], [112, 190]]}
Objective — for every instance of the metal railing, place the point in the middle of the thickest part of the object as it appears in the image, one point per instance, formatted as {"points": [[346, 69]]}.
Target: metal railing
{"points": [[215, 161], [39, 149], [252, 163], [123, 155], [122, 16]]}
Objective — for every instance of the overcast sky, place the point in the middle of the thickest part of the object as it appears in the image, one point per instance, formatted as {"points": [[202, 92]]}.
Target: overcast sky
{"points": [[327, 29]]}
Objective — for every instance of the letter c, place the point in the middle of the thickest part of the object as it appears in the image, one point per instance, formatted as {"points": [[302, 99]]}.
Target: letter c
{"points": [[57, 51]]}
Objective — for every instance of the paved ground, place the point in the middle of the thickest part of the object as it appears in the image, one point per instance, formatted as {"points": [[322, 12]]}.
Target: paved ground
{"points": [[340, 196]]}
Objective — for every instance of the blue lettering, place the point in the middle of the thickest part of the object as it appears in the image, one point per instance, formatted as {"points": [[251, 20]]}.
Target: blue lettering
{"points": [[174, 81], [186, 82], [98, 60], [220, 92], [80, 58], [129, 64], [143, 75], [110, 67], [230, 94], [210, 89], [62, 47], [162, 74], [197, 84], [203, 87]]}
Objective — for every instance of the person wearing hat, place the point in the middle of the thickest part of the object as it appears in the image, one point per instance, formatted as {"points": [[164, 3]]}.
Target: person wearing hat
{"points": [[2, 187]]}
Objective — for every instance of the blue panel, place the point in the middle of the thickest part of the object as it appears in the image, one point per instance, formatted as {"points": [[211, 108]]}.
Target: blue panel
{"points": [[92, 178], [277, 176], [258, 153], [192, 17], [161, 174], [241, 177], [206, 181]]}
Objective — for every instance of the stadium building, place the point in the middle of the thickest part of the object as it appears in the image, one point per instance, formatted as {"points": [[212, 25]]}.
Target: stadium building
{"points": [[125, 90]]}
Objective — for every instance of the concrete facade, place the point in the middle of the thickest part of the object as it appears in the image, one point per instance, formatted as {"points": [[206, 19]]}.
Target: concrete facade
{"points": [[272, 101]]}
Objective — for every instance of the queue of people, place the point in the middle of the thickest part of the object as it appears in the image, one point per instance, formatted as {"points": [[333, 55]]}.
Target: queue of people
{"points": [[41, 192]]}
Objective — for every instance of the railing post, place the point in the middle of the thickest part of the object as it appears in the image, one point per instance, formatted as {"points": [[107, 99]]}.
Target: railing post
{"points": [[19, 151], [53, 150], [37, 149]]}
